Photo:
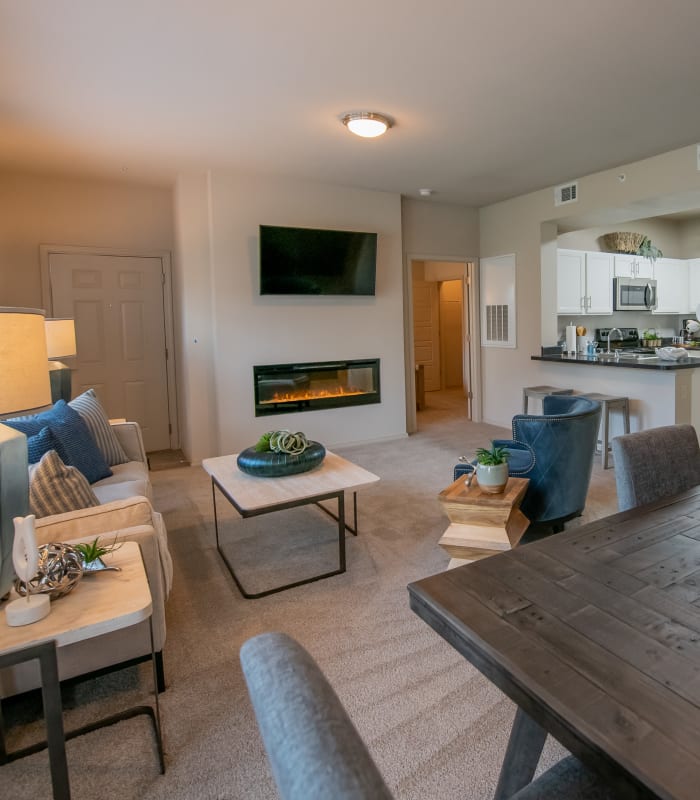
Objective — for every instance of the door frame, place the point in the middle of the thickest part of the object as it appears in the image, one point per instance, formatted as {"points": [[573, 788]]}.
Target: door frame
{"points": [[472, 332], [46, 250]]}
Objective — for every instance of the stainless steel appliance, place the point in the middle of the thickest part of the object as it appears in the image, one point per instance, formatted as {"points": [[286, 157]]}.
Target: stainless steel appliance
{"points": [[634, 294]]}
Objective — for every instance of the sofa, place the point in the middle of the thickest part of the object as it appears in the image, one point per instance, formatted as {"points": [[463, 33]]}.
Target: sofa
{"points": [[124, 513]]}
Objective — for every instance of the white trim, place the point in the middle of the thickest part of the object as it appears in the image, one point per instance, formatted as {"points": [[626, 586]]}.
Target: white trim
{"points": [[471, 307], [46, 250]]}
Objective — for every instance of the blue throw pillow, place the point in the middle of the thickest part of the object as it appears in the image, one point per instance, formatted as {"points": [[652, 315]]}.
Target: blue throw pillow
{"points": [[75, 445], [40, 444]]}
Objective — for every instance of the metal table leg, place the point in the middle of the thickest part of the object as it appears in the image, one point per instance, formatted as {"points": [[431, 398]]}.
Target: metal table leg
{"points": [[53, 714], [339, 496]]}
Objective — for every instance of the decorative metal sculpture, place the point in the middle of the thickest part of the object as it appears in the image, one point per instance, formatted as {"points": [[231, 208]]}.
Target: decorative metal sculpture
{"points": [[58, 571]]}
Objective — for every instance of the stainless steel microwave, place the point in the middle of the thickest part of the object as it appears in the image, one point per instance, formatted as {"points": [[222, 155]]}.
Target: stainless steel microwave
{"points": [[634, 294]]}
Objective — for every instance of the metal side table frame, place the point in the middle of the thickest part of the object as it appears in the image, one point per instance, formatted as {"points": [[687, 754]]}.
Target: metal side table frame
{"points": [[56, 737]]}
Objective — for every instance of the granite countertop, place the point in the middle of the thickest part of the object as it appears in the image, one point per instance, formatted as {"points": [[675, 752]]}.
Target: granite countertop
{"points": [[653, 362]]}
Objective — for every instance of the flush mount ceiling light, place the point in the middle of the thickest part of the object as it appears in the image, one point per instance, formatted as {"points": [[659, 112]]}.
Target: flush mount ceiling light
{"points": [[367, 123]]}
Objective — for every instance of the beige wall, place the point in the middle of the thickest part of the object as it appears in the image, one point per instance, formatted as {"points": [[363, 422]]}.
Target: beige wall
{"points": [[237, 328], [690, 238], [438, 229], [37, 210], [528, 227]]}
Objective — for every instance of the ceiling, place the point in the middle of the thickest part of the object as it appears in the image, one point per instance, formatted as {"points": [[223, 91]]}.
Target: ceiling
{"points": [[491, 99]]}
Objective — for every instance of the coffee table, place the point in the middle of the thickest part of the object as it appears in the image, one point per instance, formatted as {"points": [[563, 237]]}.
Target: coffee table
{"points": [[98, 604], [252, 496]]}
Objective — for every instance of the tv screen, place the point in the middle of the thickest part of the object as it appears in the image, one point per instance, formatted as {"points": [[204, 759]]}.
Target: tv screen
{"points": [[309, 261]]}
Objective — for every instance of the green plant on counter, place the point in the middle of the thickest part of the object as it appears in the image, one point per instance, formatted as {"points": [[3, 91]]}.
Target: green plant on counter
{"points": [[491, 457], [650, 334], [648, 250]]}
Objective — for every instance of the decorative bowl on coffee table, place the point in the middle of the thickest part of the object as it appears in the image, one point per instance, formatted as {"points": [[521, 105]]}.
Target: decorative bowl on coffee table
{"points": [[268, 464]]}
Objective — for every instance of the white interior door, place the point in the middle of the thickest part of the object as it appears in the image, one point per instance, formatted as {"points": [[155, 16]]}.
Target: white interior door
{"points": [[118, 306]]}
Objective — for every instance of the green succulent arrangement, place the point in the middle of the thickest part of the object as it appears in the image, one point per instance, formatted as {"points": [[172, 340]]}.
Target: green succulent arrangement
{"points": [[282, 442], [491, 457], [91, 551], [648, 250]]}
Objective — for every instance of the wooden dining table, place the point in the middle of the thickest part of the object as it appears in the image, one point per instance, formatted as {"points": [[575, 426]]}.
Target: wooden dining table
{"points": [[595, 634]]}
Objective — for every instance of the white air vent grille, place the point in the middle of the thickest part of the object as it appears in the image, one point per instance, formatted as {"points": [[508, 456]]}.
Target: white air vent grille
{"points": [[566, 193], [497, 323]]}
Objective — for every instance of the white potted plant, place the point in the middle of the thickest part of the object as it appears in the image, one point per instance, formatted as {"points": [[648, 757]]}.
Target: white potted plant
{"points": [[492, 468]]}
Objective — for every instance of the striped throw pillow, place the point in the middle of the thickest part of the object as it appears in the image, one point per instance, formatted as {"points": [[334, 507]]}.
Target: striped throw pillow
{"points": [[94, 416], [55, 488]]}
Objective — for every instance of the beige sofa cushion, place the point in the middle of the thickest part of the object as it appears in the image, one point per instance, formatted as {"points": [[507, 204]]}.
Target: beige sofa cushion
{"points": [[107, 519], [127, 480]]}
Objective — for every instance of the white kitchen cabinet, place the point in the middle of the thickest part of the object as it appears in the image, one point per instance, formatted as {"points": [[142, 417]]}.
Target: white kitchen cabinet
{"points": [[694, 285], [672, 285], [633, 267], [584, 282]]}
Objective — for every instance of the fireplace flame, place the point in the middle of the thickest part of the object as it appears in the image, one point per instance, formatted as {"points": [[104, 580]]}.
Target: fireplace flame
{"points": [[313, 394]]}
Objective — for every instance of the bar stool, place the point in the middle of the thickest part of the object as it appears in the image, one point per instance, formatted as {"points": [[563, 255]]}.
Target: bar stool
{"points": [[538, 392], [609, 403]]}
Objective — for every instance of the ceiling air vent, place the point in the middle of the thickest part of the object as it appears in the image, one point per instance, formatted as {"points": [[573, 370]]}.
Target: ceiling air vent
{"points": [[566, 193]]}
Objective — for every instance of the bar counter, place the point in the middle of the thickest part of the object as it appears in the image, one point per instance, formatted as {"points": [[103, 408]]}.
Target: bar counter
{"points": [[654, 362]]}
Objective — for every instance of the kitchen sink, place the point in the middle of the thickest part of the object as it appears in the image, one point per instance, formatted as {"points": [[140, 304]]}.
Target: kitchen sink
{"points": [[625, 356]]}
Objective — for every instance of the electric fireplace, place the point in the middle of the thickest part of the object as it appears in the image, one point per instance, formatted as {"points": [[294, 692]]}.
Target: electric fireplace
{"points": [[285, 388]]}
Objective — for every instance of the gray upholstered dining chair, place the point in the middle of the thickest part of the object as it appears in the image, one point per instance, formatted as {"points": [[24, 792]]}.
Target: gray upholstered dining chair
{"points": [[314, 749], [656, 463]]}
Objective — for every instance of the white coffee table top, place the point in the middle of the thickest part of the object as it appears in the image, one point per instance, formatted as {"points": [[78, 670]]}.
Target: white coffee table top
{"points": [[100, 603], [250, 492]]}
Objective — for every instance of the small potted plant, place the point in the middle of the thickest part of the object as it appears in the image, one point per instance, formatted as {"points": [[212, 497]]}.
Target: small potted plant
{"points": [[492, 468], [651, 338], [92, 552], [647, 250]]}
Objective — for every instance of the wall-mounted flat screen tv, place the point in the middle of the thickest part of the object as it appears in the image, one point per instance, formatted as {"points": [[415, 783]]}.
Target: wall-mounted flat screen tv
{"points": [[309, 261]]}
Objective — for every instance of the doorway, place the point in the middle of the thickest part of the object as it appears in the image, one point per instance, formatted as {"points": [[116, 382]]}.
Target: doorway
{"points": [[441, 325], [121, 304]]}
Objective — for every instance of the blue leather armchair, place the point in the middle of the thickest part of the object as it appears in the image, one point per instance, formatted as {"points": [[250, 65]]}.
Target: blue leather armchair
{"points": [[555, 451]]}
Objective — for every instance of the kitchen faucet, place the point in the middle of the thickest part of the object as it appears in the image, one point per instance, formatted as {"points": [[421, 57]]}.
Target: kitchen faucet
{"points": [[610, 332]]}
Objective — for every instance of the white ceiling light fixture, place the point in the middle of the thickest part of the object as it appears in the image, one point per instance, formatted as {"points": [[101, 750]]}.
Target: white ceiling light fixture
{"points": [[367, 124]]}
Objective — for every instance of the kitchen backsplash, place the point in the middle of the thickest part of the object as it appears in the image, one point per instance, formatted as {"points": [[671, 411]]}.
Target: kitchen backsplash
{"points": [[663, 324]]}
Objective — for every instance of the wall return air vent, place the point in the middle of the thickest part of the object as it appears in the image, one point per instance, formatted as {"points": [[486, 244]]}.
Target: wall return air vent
{"points": [[566, 193]]}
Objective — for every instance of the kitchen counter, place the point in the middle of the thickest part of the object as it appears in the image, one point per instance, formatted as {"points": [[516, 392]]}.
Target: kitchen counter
{"points": [[646, 362]]}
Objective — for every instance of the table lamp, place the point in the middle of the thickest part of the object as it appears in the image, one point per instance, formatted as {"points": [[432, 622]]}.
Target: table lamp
{"points": [[60, 343], [24, 386]]}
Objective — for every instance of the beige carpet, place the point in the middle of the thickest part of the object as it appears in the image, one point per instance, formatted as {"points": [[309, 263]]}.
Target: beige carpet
{"points": [[435, 726]]}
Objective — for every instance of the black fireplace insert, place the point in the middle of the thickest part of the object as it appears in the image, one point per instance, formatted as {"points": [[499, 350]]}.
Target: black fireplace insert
{"points": [[285, 388]]}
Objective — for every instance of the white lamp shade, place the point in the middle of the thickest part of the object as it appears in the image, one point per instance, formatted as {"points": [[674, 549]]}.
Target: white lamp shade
{"points": [[24, 372], [60, 338]]}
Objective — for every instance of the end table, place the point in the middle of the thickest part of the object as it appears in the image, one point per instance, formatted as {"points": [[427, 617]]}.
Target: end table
{"points": [[482, 524]]}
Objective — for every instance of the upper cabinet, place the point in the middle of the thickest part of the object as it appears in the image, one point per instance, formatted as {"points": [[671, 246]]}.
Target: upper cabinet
{"points": [[694, 284], [633, 267], [584, 282], [673, 286]]}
